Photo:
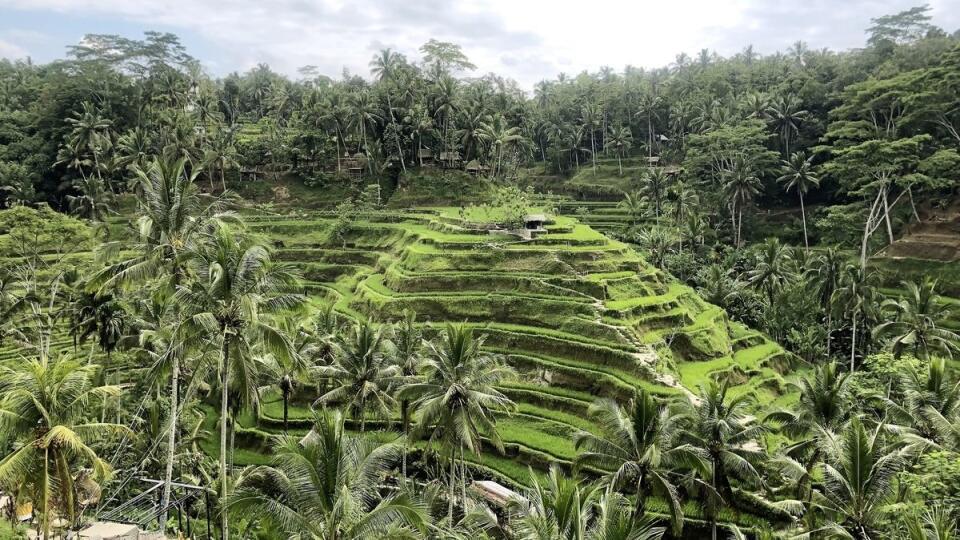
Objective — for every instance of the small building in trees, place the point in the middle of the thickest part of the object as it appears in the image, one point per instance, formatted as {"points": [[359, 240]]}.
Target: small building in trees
{"points": [[425, 156], [534, 222], [450, 160], [474, 167]]}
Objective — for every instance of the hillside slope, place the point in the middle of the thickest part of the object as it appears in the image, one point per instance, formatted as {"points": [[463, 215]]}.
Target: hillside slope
{"points": [[577, 314]]}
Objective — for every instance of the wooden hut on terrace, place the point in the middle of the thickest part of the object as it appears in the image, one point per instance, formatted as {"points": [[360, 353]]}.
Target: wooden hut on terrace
{"points": [[450, 160], [353, 165], [425, 156], [475, 168]]}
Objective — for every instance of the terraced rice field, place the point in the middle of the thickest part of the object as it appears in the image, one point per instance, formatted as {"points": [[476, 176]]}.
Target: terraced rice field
{"points": [[577, 314]]}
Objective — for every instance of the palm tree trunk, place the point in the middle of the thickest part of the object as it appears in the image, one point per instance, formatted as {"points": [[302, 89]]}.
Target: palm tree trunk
{"points": [[46, 493], [649, 135], [405, 421], [829, 330], [223, 178], [286, 402], [593, 149], [803, 218], [853, 343], [451, 491], [619, 164], [224, 396], [171, 441], [739, 225]]}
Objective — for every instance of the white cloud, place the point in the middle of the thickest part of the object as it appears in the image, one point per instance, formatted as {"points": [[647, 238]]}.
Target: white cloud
{"points": [[524, 39], [12, 51]]}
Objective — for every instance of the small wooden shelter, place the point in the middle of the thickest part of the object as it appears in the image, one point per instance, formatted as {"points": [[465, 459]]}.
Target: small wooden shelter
{"points": [[474, 167], [534, 222], [425, 156], [450, 160]]}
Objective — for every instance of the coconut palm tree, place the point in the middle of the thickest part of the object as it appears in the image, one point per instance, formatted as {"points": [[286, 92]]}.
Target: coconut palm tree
{"points": [[220, 154], [559, 509], [654, 186], [797, 174], [45, 409], [286, 371], [457, 399], [93, 199], [916, 322], [648, 104], [326, 486], [740, 186], [620, 139], [172, 223], [856, 299], [719, 286], [616, 520], [638, 446], [590, 120], [858, 482], [237, 285], [363, 372], [405, 350], [89, 135], [772, 270], [936, 523], [497, 134], [929, 406], [721, 427], [822, 411], [786, 115], [825, 279], [635, 205]]}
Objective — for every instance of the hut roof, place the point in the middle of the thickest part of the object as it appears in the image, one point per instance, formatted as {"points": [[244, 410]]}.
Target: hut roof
{"points": [[535, 217], [495, 493], [425, 152], [449, 156]]}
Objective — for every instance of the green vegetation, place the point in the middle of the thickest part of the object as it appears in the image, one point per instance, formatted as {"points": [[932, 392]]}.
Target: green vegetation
{"points": [[334, 305]]}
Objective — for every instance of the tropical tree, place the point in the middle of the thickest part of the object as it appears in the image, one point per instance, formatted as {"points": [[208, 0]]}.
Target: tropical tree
{"points": [[45, 408], [856, 299], [497, 134], [457, 399], [616, 520], [722, 429], [797, 174], [326, 486], [635, 205], [93, 199], [89, 135], [654, 186], [916, 322], [287, 370], [649, 102], [237, 286], [620, 140], [824, 408], [772, 270], [363, 373], [740, 186], [858, 482], [786, 114], [929, 406], [405, 351], [221, 154], [639, 446], [559, 509], [824, 278]]}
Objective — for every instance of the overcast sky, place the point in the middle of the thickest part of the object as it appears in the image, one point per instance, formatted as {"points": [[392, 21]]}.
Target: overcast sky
{"points": [[527, 40]]}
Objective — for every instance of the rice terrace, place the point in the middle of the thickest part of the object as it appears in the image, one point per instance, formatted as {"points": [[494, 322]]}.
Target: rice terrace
{"points": [[431, 291]]}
